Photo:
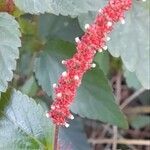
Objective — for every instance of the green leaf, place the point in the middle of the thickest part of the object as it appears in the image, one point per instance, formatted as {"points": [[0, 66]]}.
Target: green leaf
{"points": [[64, 7], [61, 27], [74, 137], [74, 7], [103, 61], [95, 99], [9, 52], [140, 121], [30, 87], [132, 80], [48, 65], [131, 42], [34, 7], [23, 123], [25, 64]]}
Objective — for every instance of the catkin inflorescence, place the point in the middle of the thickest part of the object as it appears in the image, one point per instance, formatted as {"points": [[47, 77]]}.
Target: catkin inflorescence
{"points": [[94, 40]]}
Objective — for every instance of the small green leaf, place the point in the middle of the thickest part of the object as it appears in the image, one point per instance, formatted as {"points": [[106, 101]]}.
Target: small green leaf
{"points": [[23, 124], [95, 99], [9, 52]]}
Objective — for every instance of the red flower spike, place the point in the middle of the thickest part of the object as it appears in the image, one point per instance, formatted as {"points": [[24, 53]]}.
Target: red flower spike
{"points": [[93, 40]]}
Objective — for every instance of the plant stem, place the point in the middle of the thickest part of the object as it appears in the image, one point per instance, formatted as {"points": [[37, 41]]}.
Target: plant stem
{"points": [[118, 98], [9, 4], [121, 141], [56, 133], [131, 98], [138, 110]]}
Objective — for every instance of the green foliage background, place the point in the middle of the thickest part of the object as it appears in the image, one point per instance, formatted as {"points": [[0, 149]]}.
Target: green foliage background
{"points": [[34, 39]]}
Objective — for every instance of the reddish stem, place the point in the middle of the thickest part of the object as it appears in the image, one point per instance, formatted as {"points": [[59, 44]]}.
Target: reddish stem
{"points": [[9, 6], [56, 133]]}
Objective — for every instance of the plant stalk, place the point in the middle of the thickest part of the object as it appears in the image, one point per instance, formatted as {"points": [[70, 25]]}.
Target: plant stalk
{"points": [[56, 133]]}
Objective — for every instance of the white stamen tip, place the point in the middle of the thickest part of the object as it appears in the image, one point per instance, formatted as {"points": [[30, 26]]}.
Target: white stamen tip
{"points": [[93, 65], [77, 39], [71, 117], [105, 47], [63, 62], [76, 77], [66, 125], [47, 115], [59, 95], [109, 23], [122, 21], [64, 74], [100, 10], [52, 107], [100, 50], [86, 26], [79, 83], [94, 52], [108, 38], [54, 85]]}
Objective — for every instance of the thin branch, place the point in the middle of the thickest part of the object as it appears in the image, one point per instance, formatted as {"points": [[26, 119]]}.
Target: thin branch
{"points": [[118, 98], [105, 129], [118, 88], [131, 98], [138, 110], [56, 132], [120, 141], [115, 137]]}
